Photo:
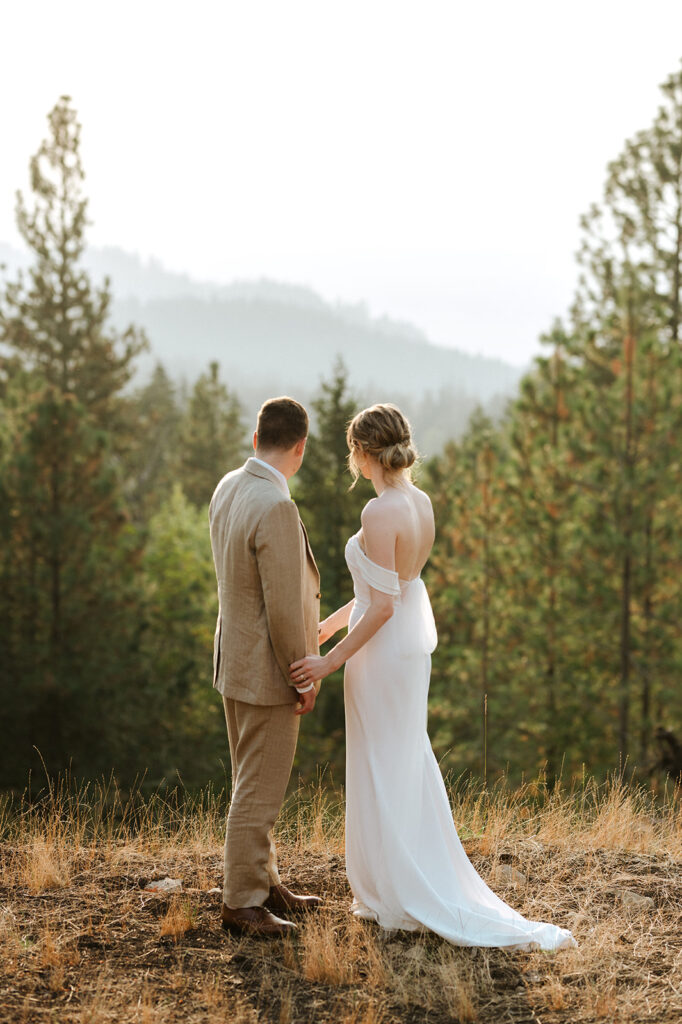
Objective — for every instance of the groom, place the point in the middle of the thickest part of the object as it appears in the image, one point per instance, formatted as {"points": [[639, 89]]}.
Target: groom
{"points": [[268, 592]]}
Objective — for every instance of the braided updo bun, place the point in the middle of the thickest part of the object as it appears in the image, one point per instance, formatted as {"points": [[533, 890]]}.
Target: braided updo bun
{"points": [[383, 432]]}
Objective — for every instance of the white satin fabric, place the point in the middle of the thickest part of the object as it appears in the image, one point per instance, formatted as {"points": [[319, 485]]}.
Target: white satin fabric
{"points": [[406, 866]]}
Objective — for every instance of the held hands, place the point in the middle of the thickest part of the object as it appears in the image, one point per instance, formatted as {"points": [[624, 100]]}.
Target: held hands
{"points": [[310, 669], [313, 668]]}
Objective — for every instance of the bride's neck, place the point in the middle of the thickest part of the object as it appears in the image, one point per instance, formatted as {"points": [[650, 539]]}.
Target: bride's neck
{"points": [[376, 475], [380, 483]]}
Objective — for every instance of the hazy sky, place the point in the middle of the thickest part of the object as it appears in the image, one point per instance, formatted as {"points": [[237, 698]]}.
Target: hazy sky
{"points": [[430, 158]]}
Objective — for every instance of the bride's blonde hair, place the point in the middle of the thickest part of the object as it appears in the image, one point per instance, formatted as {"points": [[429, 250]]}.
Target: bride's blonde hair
{"points": [[383, 432]]}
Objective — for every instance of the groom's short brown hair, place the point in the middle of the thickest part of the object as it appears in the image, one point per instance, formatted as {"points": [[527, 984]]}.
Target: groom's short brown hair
{"points": [[282, 423]]}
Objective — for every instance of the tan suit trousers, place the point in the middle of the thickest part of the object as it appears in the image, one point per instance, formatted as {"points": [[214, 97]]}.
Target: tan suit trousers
{"points": [[262, 746]]}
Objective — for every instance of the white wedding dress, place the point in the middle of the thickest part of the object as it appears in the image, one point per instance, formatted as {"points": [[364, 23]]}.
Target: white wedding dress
{"points": [[406, 866]]}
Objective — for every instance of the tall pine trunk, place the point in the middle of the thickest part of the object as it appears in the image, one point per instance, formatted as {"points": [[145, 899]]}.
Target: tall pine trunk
{"points": [[485, 644], [53, 739], [551, 671], [648, 639], [677, 256], [626, 566]]}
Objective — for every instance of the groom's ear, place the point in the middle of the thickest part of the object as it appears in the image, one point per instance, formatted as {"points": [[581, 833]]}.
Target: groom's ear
{"points": [[255, 440], [300, 447]]}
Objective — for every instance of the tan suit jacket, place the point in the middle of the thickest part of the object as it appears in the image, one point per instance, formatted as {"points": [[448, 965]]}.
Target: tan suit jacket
{"points": [[268, 587]]}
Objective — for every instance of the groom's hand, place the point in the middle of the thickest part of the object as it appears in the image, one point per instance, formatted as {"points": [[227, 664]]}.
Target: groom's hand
{"points": [[306, 702]]}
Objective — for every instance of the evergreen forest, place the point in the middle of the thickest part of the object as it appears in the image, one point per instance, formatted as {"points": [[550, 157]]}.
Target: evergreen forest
{"points": [[556, 578]]}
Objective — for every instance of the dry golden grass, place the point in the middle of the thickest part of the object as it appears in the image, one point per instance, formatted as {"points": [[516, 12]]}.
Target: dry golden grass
{"points": [[334, 953], [45, 865], [367, 1013], [180, 918], [82, 941]]}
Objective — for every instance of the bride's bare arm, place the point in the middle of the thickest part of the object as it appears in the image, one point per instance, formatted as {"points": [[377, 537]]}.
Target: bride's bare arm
{"points": [[379, 541], [336, 621]]}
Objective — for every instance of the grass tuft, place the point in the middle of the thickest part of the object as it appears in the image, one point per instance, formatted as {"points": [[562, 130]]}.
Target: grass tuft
{"points": [[180, 918]]}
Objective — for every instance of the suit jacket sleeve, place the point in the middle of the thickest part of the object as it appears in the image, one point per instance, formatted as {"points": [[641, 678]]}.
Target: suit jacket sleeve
{"points": [[281, 566]]}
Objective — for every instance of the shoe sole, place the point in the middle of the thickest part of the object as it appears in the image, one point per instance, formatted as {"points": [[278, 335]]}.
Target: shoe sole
{"points": [[257, 933], [309, 908]]}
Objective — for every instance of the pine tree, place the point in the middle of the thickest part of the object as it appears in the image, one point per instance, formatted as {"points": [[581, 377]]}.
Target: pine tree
{"points": [[627, 319], [642, 207], [590, 587], [629, 446], [547, 609], [212, 438], [66, 578], [330, 511], [54, 322], [70, 617], [643, 201], [467, 581], [180, 608], [150, 464]]}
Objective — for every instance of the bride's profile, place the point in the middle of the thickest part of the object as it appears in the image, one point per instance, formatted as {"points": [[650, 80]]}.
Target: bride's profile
{"points": [[405, 863]]}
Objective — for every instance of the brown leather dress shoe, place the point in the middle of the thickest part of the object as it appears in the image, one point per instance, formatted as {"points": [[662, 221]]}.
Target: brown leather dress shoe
{"points": [[256, 921], [284, 902]]}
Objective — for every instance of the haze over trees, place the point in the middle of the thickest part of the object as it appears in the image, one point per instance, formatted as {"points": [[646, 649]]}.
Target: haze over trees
{"points": [[556, 576], [272, 337]]}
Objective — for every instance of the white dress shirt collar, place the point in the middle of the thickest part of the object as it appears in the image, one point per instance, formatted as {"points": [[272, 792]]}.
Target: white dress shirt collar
{"points": [[279, 477]]}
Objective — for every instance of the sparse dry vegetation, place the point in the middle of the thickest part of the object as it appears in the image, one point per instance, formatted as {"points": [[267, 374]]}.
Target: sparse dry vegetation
{"points": [[82, 941]]}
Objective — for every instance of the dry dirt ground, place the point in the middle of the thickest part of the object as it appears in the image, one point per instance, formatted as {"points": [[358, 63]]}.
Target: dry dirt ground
{"points": [[83, 943]]}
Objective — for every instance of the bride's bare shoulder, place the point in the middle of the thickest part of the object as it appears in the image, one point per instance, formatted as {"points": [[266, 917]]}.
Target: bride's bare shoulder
{"points": [[379, 518], [375, 511], [422, 496]]}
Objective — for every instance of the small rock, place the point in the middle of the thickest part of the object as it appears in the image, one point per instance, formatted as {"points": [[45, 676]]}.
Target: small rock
{"points": [[510, 875], [215, 891], [634, 901], [165, 885]]}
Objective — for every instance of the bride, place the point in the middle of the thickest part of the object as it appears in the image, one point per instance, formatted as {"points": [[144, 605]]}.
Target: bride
{"points": [[406, 866]]}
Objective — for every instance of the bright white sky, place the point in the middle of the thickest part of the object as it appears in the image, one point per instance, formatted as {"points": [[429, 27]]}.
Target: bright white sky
{"points": [[428, 157]]}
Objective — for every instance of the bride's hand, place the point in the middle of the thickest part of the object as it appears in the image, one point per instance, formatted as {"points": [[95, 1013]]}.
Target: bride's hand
{"points": [[310, 669]]}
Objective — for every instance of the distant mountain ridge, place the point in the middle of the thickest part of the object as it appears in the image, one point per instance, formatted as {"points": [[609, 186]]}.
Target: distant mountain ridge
{"points": [[273, 337]]}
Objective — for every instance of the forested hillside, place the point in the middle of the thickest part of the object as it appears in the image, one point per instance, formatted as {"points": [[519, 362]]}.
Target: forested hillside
{"points": [[556, 576], [271, 337]]}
